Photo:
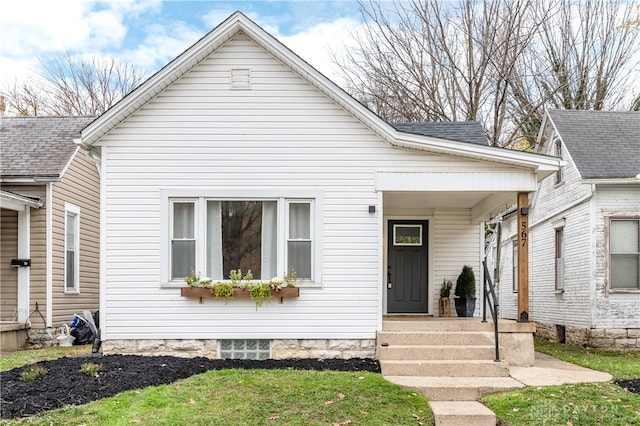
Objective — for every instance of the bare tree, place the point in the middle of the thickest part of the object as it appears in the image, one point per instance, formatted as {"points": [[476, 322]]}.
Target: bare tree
{"points": [[435, 61], [25, 99], [587, 55], [71, 86], [497, 61]]}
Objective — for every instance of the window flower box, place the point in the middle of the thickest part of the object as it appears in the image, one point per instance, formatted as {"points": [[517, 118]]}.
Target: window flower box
{"points": [[239, 293]]}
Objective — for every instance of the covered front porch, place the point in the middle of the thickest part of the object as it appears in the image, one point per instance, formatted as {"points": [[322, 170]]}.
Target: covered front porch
{"points": [[15, 263], [433, 224]]}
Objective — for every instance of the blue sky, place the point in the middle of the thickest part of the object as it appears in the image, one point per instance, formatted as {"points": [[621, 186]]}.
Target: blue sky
{"points": [[149, 33]]}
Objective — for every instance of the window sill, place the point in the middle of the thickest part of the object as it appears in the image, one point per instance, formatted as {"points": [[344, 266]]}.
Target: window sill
{"points": [[560, 291], [72, 292], [624, 290]]}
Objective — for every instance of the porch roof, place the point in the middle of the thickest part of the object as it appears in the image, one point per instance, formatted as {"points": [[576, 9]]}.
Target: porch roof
{"points": [[12, 201]]}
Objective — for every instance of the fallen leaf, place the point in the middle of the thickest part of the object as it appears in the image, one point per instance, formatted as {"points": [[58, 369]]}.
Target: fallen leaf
{"points": [[192, 401], [341, 396], [363, 412], [134, 421], [328, 403], [569, 423], [274, 417]]}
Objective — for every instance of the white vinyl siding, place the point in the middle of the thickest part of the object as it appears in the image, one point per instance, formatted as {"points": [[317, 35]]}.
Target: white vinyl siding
{"points": [[72, 249]]}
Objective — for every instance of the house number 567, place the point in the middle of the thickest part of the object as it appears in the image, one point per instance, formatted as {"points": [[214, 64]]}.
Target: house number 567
{"points": [[523, 234]]}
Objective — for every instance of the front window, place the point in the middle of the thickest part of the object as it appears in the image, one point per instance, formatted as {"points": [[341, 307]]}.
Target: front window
{"points": [[268, 237], [624, 248], [299, 247], [241, 235], [71, 246], [183, 239]]}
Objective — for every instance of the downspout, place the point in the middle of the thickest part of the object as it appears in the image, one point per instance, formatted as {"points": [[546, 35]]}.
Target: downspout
{"points": [[49, 254]]}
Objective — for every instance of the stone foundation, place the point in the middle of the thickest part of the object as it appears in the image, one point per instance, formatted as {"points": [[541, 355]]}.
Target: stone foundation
{"points": [[280, 349], [604, 338]]}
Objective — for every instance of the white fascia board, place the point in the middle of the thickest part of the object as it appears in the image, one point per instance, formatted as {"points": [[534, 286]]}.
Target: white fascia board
{"points": [[613, 181], [16, 202], [529, 160]]}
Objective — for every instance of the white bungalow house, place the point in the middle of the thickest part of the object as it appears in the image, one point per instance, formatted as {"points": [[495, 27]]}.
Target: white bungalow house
{"points": [[584, 233], [238, 145]]}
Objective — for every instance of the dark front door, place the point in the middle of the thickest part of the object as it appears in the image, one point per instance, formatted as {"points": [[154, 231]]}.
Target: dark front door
{"points": [[407, 271]]}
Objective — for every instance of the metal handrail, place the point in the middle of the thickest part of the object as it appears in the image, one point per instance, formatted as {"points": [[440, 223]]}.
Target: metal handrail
{"points": [[493, 306]]}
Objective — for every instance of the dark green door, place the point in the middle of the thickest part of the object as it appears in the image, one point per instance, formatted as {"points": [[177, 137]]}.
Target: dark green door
{"points": [[407, 271]]}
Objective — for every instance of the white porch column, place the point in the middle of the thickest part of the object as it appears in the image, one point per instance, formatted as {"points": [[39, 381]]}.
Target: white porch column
{"points": [[24, 272]]}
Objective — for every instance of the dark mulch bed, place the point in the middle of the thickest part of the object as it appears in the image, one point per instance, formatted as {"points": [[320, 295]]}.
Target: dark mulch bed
{"points": [[630, 385], [64, 385]]}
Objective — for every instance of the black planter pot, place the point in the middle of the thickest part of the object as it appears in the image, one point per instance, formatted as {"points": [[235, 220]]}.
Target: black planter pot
{"points": [[465, 306]]}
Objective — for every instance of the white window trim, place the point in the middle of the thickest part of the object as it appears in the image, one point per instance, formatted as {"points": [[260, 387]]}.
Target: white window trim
{"points": [[610, 289], [281, 196], [73, 210]]}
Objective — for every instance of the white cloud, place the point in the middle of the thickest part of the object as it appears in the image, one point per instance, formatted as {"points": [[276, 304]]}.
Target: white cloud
{"points": [[317, 44]]}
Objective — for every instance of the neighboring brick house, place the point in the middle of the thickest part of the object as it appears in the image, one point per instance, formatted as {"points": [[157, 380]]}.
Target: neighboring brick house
{"points": [[50, 204], [584, 233]]}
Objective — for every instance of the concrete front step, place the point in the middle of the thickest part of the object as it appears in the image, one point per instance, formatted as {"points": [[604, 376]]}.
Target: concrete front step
{"points": [[462, 413], [434, 338], [442, 352], [455, 324], [456, 388], [451, 368]]}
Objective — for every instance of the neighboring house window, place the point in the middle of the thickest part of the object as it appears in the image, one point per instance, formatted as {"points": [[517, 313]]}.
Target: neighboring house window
{"points": [[557, 151], [241, 234], [515, 266], [559, 258], [624, 249], [71, 249]]}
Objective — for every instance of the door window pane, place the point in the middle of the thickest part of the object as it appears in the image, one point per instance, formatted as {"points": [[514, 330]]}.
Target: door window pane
{"points": [[407, 235]]}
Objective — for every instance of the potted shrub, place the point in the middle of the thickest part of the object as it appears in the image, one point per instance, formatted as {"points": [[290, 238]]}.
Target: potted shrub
{"points": [[466, 292], [444, 305]]}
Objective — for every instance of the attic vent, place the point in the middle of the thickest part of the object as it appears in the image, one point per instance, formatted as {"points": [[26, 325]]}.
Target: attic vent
{"points": [[240, 78]]}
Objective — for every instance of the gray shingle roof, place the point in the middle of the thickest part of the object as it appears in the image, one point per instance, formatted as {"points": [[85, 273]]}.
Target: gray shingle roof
{"points": [[38, 146], [602, 144], [462, 131]]}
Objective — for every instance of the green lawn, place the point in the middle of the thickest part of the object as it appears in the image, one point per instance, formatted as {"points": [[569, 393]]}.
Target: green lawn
{"points": [[578, 404], [272, 397], [251, 397]]}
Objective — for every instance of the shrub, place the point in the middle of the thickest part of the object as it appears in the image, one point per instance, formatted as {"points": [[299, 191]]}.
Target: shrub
{"points": [[466, 284]]}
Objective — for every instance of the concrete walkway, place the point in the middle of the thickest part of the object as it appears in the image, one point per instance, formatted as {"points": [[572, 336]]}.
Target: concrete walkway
{"points": [[546, 371]]}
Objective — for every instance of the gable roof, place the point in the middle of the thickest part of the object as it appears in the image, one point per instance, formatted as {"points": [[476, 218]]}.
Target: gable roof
{"points": [[463, 131], [240, 23], [38, 148], [602, 144]]}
